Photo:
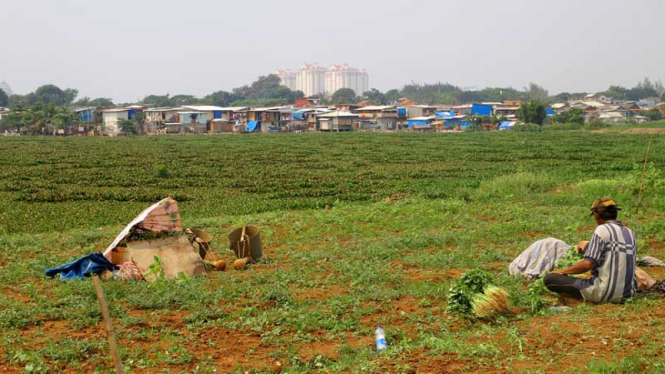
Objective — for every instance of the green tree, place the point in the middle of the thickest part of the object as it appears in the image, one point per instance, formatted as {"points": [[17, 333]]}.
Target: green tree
{"points": [[536, 92], [375, 96], [70, 95], [178, 100], [51, 94], [21, 100], [128, 127], [158, 101], [424, 93], [266, 90], [98, 102], [393, 95], [617, 92], [643, 90], [4, 99], [101, 102], [343, 96], [532, 112], [574, 115], [653, 115], [220, 98]]}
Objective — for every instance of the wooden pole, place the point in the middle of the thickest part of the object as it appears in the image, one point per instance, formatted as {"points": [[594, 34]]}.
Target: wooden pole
{"points": [[644, 170], [109, 326]]}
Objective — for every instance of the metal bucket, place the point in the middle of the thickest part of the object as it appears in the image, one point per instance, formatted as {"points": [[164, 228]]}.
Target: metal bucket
{"points": [[250, 247]]}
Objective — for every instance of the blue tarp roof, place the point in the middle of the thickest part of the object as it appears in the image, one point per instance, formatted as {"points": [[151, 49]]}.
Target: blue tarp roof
{"points": [[251, 126], [417, 122], [445, 114], [298, 115], [505, 125], [481, 109]]}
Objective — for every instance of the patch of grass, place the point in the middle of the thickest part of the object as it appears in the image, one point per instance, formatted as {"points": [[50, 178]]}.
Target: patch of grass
{"points": [[468, 201]]}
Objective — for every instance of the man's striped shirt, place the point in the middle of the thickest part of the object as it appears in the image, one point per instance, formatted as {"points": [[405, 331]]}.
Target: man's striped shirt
{"points": [[613, 249]]}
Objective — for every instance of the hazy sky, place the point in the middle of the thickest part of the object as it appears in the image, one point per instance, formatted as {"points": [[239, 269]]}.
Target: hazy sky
{"points": [[127, 49]]}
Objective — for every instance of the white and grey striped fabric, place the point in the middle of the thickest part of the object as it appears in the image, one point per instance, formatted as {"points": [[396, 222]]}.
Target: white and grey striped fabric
{"points": [[539, 258], [613, 248]]}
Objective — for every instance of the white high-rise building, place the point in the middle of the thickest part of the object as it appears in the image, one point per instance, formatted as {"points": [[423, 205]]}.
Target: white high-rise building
{"points": [[288, 78], [5, 87], [343, 76], [313, 79]]}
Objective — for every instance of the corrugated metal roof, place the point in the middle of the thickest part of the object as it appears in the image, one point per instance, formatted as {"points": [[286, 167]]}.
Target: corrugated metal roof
{"points": [[164, 109], [507, 108], [203, 108], [423, 106], [377, 107], [233, 108], [274, 108], [422, 118], [337, 114], [115, 110], [611, 115]]}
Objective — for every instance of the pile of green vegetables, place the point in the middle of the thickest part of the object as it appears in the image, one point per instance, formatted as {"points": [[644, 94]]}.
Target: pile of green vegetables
{"points": [[474, 296]]}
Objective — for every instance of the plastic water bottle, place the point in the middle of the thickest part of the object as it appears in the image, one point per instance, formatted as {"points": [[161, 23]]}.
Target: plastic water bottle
{"points": [[560, 309], [380, 339]]}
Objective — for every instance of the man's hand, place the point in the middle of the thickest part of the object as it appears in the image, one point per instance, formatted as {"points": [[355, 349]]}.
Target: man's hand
{"points": [[579, 268], [582, 246]]}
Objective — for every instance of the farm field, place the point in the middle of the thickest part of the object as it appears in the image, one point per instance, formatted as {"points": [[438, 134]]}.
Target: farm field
{"points": [[358, 229]]}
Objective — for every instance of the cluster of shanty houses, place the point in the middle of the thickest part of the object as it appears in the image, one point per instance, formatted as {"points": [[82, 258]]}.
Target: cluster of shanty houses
{"points": [[607, 109], [306, 115]]}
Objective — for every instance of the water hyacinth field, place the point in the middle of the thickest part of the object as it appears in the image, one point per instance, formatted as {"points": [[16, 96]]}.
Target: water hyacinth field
{"points": [[358, 229]]}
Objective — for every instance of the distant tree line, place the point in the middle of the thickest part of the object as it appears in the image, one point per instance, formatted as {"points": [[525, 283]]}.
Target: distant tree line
{"points": [[448, 94], [267, 91]]}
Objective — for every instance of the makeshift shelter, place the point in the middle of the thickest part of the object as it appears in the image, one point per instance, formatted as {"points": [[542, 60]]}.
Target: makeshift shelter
{"points": [[174, 254], [162, 216], [420, 123], [506, 125]]}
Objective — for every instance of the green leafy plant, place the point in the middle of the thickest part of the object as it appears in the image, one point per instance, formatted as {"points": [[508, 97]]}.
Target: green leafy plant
{"points": [[569, 259], [460, 294], [535, 295], [156, 269]]}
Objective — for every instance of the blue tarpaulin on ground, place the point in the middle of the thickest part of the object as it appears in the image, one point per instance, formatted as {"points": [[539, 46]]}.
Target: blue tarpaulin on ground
{"points": [[505, 125], [251, 126], [85, 266]]}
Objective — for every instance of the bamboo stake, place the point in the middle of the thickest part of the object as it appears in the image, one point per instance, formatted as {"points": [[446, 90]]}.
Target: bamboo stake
{"points": [[644, 170], [109, 326]]}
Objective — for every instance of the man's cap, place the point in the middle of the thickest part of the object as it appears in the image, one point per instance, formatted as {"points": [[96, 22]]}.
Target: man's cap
{"points": [[603, 204]]}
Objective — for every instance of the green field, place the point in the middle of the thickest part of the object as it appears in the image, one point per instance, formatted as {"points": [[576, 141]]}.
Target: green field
{"points": [[358, 229]]}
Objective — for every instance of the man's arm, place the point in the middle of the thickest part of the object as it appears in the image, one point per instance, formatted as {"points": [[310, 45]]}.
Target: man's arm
{"points": [[579, 268]]}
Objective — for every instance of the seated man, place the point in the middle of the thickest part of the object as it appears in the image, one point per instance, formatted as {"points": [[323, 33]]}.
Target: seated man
{"points": [[610, 255]]}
